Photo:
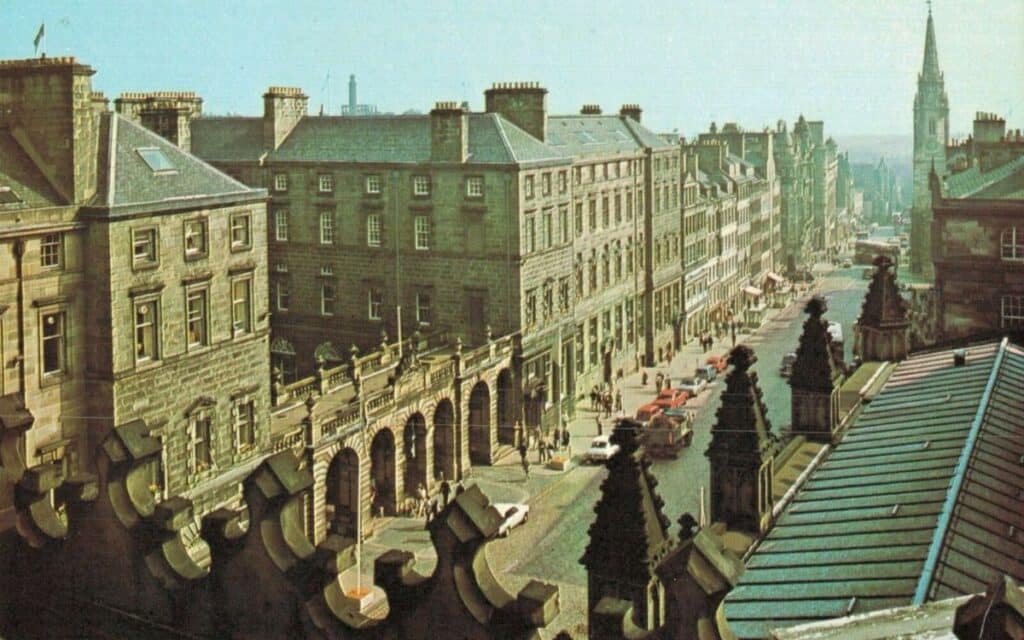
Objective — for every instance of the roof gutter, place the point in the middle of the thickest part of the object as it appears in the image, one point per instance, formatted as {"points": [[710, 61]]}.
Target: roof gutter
{"points": [[956, 483]]}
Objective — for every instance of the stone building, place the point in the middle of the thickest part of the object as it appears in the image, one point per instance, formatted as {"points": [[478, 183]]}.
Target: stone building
{"points": [[133, 301], [931, 136], [883, 195], [563, 228]]}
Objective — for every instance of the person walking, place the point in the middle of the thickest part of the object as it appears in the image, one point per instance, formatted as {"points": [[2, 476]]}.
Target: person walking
{"points": [[421, 500], [618, 399], [600, 427], [566, 438], [446, 490], [643, 378], [526, 468], [658, 380]]}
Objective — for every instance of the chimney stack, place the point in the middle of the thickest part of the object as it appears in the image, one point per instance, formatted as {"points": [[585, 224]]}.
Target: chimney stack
{"points": [[166, 113], [48, 105], [449, 133], [283, 107], [524, 104], [590, 110], [631, 110]]}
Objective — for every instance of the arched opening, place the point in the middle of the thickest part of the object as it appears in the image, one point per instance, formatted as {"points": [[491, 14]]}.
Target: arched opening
{"points": [[444, 440], [414, 446], [506, 418], [382, 473], [480, 424], [343, 494]]}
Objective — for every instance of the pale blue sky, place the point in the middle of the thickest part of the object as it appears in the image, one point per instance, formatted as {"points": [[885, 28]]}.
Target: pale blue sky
{"points": [[687, 62]]}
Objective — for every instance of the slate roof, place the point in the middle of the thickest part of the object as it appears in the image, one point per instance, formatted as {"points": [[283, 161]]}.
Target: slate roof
{"points": [[580, 135], [381, 138], [126, 180], [916, 502], [1002, 182]]}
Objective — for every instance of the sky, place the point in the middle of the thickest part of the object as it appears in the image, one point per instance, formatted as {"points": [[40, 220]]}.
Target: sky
{"points": [[851, 63]]}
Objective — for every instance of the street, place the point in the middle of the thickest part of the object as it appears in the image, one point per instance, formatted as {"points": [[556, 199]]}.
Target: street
{"points": [[548, 547]]}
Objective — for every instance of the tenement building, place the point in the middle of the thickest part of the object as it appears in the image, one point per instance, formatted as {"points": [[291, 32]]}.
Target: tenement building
{"points": [[564, 228], [134, 279]]}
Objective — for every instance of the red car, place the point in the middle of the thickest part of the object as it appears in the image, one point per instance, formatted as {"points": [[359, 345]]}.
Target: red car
{"points": [[648, 411], [718, 362], [671, 398]]}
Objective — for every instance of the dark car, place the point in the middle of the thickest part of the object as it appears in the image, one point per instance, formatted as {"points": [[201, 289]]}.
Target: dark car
{"points": [[786, 368]]}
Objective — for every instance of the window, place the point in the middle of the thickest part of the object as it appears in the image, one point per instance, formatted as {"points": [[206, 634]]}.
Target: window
{"points": [[373, 230], [326, 227], [325, 183], [422, 229], [241, 306], [563, 224], [545, 184], [327, 270], [1012, 241], [578, 219], [528, 187], [528, 235], [563, 182], [563, 294], [423, 313], [280, 182], [592, 215], [375, 302], [618, 208], [421, 185], [475, 187], [144, 246], [281, 225], [1012, 315], [531, 308], [245, 422], [327, 294], [629, 205], [241, 231], [53, 342], [373, 183], [195, 238], [605, 211], [281, 267], [196, 305], [200, 431], [50, 250], [283, 294], [146, 331]]}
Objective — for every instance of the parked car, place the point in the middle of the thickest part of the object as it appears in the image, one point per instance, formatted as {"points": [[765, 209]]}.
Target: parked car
{"points": [[706, 372], [601, 450], [668, 398], [868, 273], [847, 263], [692, 385], [786, 368], [718, 362], [647, 411], [512, 515]]}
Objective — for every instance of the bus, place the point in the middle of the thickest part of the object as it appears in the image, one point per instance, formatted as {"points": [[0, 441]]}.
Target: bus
{"points": [[865, 251]]}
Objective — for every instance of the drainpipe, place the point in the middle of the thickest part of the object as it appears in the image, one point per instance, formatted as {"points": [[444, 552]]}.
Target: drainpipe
{"points": [[19, 255]]}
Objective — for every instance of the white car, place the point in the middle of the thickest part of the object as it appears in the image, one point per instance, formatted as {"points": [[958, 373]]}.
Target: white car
{"points": [[692, 385], [512, 516], [601, 450]]}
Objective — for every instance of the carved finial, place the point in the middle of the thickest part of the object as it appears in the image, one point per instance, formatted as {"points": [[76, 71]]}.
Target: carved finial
{"points": [[490, 333], [742, 357], [310, 403], [816, 307], [458, 345]]}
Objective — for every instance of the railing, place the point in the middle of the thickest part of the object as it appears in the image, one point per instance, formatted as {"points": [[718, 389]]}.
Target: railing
{"points": [[443, 374], [382, 399], [341, 419], [286, 440]]}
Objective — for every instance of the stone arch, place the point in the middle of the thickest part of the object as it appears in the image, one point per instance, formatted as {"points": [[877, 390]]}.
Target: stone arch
{"points": [[506, 408], [480, 424], [383, 480], [342, 499], [414, 444], [444, 440]]}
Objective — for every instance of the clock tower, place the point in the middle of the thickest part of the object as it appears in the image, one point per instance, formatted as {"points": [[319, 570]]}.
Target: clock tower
{"points": [[931, 133]]}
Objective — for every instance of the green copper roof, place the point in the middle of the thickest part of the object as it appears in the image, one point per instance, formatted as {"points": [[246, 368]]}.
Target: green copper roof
{"points": [[930, 469], [1001, 182]]}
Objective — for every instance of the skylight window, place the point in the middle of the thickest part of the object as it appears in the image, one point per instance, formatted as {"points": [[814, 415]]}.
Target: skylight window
{"points": [[9, 196], [585, 137], [156, 159]]}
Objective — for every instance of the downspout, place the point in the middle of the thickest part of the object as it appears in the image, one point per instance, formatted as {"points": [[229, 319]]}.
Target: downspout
{"points": [[19, 255]]}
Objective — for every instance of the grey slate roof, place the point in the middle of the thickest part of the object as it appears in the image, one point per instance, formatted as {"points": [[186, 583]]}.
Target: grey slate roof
{"points": [[1001, 182], [227, 139], [125, 179], [579, 135], [383, 138], [928, 477]]}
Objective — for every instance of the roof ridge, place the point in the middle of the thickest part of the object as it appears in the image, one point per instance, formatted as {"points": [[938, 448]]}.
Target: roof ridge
{"points": [[112, 160], [499, 123], [942, 527]]}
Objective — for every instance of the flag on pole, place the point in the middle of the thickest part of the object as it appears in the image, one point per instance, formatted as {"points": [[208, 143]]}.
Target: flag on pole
{"points": [[39, 36]]}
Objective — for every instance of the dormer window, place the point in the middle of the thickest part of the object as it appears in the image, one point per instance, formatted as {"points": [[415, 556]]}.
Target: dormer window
{"points": [[156, 160]]}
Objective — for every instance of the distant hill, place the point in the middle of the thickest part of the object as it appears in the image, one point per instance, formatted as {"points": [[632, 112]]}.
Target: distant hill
{"points": [[895, 149]]}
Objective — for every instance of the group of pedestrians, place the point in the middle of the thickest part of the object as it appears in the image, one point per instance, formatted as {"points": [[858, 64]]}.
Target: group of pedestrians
{"points": [[706, 341], [606, 400]]}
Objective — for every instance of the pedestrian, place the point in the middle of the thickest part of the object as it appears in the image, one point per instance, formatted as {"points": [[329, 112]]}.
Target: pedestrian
{"points": [[446, 489], [421, 500], [600, 427], [668, 382], [565, 438], [618, 399], [522, 451], [526, 468], [658, 380], [608, 405], [541, 450], [551, 449], [643, 378]]}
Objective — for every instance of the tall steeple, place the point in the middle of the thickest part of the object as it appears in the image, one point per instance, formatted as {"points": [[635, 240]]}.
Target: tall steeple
{"points": [[931, 135]]}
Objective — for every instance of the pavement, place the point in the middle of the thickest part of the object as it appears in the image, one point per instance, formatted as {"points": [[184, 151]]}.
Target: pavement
{"points": [[562, 502]]}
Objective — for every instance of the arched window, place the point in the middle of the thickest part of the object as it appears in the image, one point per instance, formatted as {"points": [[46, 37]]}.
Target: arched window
{"points": [[931, 126], [1012, 243]]}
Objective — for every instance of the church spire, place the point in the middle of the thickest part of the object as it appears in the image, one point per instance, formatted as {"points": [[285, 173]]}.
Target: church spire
{"points": [[930, 67]]}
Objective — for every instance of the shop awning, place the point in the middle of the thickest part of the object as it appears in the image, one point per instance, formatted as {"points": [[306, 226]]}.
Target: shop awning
{"points": [[753, 292], [774, 277]]}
